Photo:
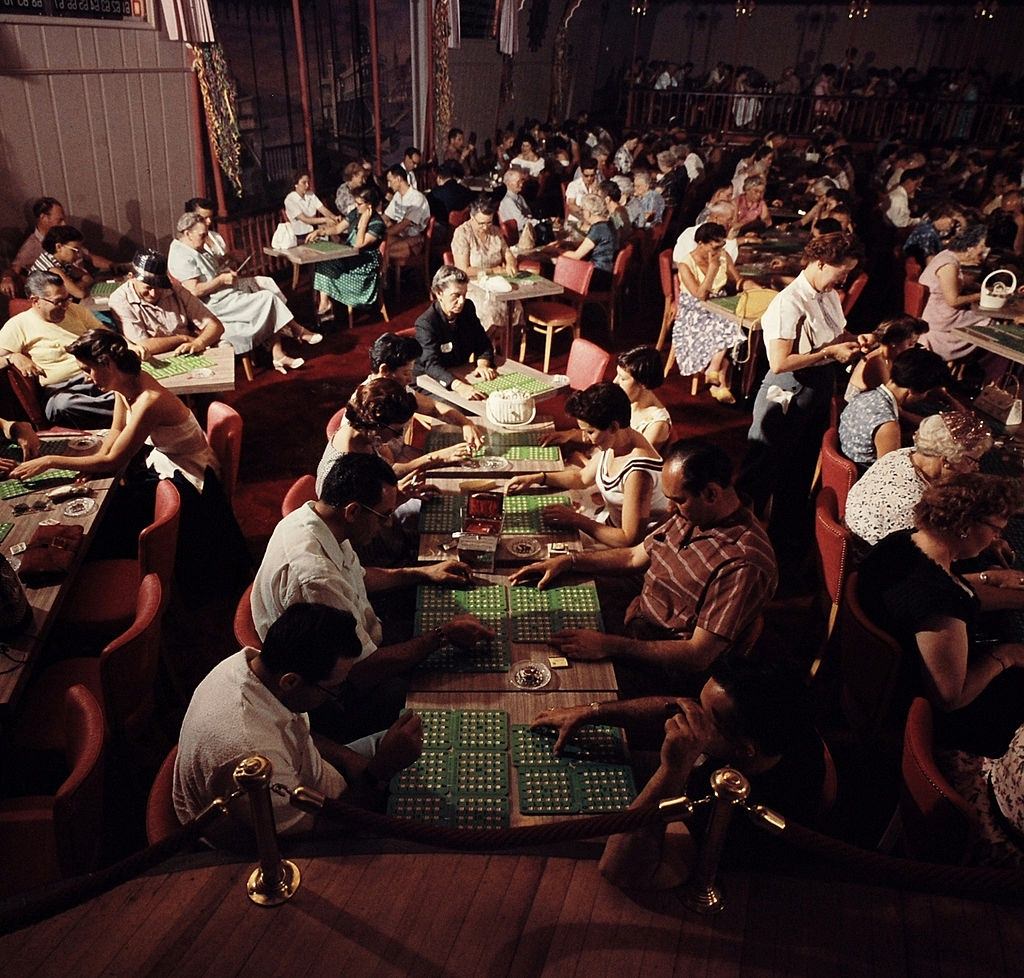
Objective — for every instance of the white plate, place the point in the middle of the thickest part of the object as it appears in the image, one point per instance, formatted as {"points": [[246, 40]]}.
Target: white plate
{"points": [[79, 507]]}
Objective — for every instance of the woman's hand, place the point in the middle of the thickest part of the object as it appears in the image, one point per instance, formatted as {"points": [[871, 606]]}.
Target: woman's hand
{"points": [[842, 352], [560, 437], [473, 436], [227, 279], [520, 482], [450, 454], [27, 469], [485, 371], [468, 391], [561, 517], [421, 491]]}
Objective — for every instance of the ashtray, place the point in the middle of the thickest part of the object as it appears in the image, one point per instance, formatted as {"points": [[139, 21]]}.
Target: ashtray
{"points": [[526, 547], [84, 443], [79, 506], [529, 675], [202, 373], [492, 463]]}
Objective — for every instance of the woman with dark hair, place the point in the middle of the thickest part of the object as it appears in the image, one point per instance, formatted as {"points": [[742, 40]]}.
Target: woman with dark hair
{"points": [[354, 281], [304, 209], [804, 331], [909, 587], [639, 373], [479, 250], [893, 336], [528, 159], [61, 253], [701, 339], [146, 413], [625, 469]]}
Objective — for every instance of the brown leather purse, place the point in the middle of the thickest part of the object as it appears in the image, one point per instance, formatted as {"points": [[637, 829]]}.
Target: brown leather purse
{"points": [[49, 554]]}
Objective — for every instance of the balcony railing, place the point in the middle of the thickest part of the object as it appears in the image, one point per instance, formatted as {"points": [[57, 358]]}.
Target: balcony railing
{"points": [[251, 233], [857, 117]]}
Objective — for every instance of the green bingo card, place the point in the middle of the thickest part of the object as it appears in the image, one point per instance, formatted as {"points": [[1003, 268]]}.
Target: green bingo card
{"points": [[536, 615], [436, 606], [441, 513], [515, 381], [174, 366], [103, 290], [5, 528], [535, 748], [570, 789], [524, 446], [462, 777], [522, 514], [10, 488], [324, 247]]}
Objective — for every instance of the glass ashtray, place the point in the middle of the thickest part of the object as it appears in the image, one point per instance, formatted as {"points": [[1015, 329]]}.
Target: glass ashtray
{"points": [[530, 676], [491, 463], [79, 506], [526, 547], [202, 373]]}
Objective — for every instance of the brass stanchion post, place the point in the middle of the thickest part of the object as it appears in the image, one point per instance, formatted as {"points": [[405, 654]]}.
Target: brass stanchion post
{"points": [[275, 879]]}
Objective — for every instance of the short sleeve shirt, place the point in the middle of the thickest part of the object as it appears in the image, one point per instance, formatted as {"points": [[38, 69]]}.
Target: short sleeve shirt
{"points": [[295, 206], [883, 499], [44, 343], [799, 312], [173, 314], [863, 416], [412, 206], [603, 236]]}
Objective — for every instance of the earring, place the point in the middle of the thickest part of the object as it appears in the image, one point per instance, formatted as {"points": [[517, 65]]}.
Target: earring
{"points": [[963, 534]]}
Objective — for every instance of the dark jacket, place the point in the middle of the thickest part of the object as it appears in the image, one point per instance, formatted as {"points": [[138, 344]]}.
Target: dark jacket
{"points": [[450, 344], [449, 196]]}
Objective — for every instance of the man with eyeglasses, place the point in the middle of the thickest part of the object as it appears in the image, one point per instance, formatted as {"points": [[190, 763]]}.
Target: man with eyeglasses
{"points": [[33, 343], [258, 702], [312, 557]]}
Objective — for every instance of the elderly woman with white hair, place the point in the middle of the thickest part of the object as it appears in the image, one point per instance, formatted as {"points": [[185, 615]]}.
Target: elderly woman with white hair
{"points": [[751, 208], [599, 245], [883, 499], [250, 319]]}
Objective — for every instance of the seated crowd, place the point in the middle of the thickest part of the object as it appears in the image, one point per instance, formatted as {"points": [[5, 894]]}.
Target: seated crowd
{"points": [[688, 546]]}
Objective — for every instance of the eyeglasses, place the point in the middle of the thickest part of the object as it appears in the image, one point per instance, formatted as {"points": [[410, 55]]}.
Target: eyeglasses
{"points": [[383, 517], [57, 303]]}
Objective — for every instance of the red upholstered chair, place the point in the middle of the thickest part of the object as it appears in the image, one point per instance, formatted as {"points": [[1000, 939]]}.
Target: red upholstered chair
{"points": [[103, 596], [669, 291], [245, 628], [609, 300], [224, 433], [26, 389], [44, 838], [937, 821], [838, 473], [869, 665], [161, 820], [455, 218], [334, 423], [448, 258], [912, 269], [550, 316], [833, 541], [122, 679], [300, 493], [915, 298], [587, 365], [854, 292], [510, 231], [418, 261]]}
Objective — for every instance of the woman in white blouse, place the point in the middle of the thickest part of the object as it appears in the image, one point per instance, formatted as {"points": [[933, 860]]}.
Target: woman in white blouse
{"points": [[804, 332], [304, 209], [639, 373]]}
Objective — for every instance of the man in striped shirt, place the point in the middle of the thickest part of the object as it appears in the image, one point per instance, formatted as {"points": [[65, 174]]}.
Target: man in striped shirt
{"points": [[708, 572]]}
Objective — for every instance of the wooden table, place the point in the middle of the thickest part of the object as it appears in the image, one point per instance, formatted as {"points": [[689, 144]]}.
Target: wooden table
{"points": [[470, 469], [534, 287], [1000, 335], [24, 646], [305, 255], [427, 384], [222, 379], [521, 707]]}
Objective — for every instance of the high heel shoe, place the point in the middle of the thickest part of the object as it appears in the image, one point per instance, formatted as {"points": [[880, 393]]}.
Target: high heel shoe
{"points": [[723, 395], [285, 364], [310, 338]]}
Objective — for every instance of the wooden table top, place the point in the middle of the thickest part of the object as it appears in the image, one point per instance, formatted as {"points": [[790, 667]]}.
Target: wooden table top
{"points": [[306, 255], [534, 287], [1004, 338], [478, 408], [196, 381], [474, 469], [520, 916], [23, 647]]}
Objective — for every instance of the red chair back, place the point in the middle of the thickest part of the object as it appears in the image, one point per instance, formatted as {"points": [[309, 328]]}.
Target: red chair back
{"points": [[78, 804], [834, 541], [128, 665], [448, 258], [937, 820], [587, 364], [29, 394], [573, 274], [510, 231], [912, 269], [224, 432], [870, 666], [621, 266], [455, 218], [335, 421], [245, 627], [915, 298], [666, 272], [854, 292], [158, 542], [161, 819], [838, 473], [301, 492]]}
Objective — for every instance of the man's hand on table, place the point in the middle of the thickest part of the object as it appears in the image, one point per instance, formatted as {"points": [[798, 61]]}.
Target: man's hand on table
{"points": [[451, 572], [468, 391], [546, 570], [464, 631], [398, 748], [190, 348], [26, 438], [586, 644], [484, 371], [565, 720]]}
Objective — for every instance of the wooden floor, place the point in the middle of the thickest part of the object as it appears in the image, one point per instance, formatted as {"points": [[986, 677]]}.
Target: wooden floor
{"points": [[528, 916]]}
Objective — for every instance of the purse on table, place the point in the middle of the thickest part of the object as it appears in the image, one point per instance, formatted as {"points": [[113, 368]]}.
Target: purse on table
{"points": [[50, 554], [1000, 403]]}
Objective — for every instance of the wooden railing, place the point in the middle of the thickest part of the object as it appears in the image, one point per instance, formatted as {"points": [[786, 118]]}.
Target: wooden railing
{"points": [[857, 117], [251, 233]]}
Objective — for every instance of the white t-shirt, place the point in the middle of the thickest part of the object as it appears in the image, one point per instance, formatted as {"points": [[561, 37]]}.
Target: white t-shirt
{"points": [[295, 206], [233, 715], [898, 213], [576, 189], [411, 206], [304, 562], [685, 244], [799, 312], [533, 167]]}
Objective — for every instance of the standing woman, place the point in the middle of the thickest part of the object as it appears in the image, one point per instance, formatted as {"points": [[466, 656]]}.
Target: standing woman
{"points": [[211, 549], [354, 281], [479, 249], [805, 334]]}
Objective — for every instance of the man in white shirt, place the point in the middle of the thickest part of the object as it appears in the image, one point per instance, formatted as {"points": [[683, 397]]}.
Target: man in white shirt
{"points": [[311, 558], [586, 183], [406, 216], [410, 162], [898, 211], [258, 702], [513, 206], [724, 213], [693, 163]]}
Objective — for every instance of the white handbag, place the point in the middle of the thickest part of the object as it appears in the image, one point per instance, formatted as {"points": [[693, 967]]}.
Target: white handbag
{"points": [[998, 402], [284, 237]]}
